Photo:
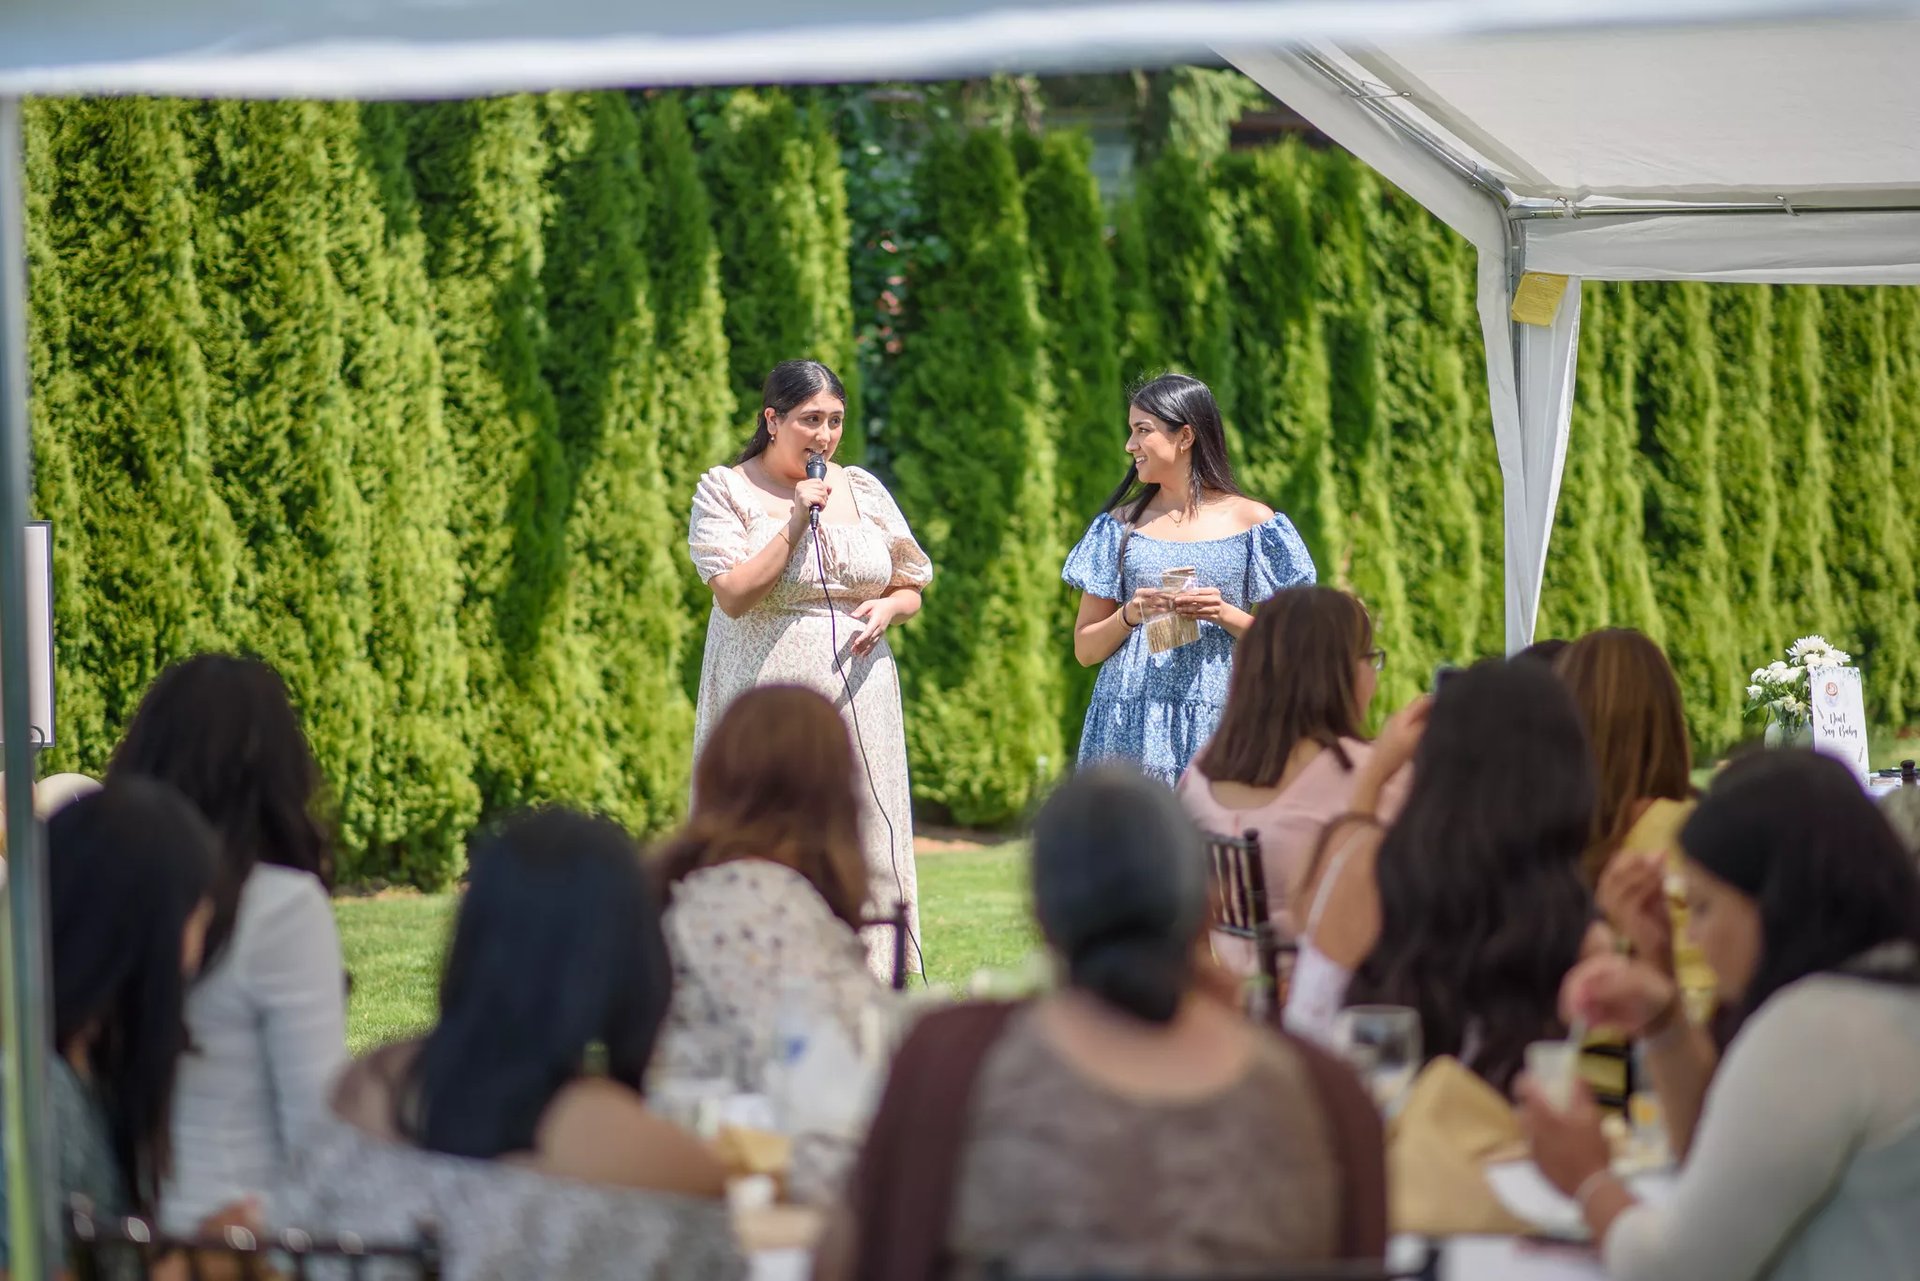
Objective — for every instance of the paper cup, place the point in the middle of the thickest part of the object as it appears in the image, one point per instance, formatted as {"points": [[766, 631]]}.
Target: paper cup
{"points": [[1552, 1065]]}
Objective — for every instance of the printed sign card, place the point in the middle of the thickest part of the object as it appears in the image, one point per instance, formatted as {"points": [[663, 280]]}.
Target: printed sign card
{"points": [[1839, 715]]}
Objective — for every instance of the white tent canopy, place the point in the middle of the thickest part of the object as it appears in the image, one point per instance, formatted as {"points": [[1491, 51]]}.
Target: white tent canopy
{"points": [[413, 48], [1692, 140], [1784, 152]]}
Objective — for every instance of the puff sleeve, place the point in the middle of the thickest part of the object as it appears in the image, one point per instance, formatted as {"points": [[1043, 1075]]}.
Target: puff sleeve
{"points": [[911, 568], [1094, 564], [717, 532], [1280, 559]]}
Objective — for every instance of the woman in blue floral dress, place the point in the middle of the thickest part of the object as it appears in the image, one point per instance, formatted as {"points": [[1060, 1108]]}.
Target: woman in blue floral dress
{"points": [[1178, 508]]}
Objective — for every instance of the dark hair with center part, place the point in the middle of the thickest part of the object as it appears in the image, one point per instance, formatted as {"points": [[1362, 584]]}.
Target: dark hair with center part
{"points": [[557, 958], [127, 867], [1177, 400], [791, 384], [1293, 680], [1482, 911], [1119, 888]]}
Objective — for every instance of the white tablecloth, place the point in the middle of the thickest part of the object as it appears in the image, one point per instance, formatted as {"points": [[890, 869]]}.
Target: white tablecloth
{"points": [[781, 1265]]}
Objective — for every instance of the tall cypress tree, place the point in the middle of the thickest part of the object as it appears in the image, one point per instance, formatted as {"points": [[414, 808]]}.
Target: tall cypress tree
{"points": [[620, 539], [1743, 323], [273, 334], [1625, 546], [1806, 545], [1138, 326], [60, 486], [131, 483], [694, 413], [1903, 353], [779, 203], [420, 800], [479, 169], [974, 464], [1424, 301], [1073, 283], [1873, 574], [1680, 418], [1280, 352], [1185, 260], [1346, 224]]}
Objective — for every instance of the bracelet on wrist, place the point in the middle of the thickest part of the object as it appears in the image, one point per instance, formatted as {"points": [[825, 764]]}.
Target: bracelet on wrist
{"points": [[1123, 616]]}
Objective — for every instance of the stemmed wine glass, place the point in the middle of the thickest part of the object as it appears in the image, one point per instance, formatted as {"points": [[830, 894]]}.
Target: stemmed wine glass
{"points": [[1382, 1042]]}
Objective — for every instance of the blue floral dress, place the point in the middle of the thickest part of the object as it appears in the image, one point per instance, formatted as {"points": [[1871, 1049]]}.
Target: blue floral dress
{"points": [[1157, 710]]}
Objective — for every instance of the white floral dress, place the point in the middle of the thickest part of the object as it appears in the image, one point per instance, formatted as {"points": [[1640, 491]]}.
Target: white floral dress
{"points": [[790, 638]]}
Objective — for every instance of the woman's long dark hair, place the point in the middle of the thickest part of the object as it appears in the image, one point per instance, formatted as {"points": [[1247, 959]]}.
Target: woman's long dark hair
{"points": [[791, 384], [1119, 888], [557, 957], [1482, 911], [1176, 399], [1293, 679], [127, 868], [222, 732], [1795, 832]]}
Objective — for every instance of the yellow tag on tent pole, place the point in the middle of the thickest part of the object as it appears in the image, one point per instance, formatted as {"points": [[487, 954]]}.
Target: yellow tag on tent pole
{"points": [[1537, 299]]}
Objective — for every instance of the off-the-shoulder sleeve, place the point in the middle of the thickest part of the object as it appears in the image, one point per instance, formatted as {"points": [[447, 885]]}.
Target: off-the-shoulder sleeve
{"points": [[911, 568], [1280, 559], [717, 533], [1094, 564]]}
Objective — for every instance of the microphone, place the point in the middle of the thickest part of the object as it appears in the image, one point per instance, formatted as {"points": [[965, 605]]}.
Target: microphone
{"points": [[816, 470]]}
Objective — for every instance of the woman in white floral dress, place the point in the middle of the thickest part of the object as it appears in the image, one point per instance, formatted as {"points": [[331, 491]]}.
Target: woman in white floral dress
{"points": [[774, 622]]}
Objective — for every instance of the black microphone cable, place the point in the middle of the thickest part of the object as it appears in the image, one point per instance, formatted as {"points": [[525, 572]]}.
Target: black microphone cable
{"points": [[860, 741]]}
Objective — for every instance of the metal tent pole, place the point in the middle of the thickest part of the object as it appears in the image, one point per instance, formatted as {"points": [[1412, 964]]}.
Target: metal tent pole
{"points": [[25, 997]]}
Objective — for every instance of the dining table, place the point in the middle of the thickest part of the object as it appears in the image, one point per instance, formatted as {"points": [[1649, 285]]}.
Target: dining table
{"points": [[779, 1239]]}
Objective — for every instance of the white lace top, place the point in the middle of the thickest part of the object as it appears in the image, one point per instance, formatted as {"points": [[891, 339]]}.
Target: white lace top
{"points": [[742, 934]]}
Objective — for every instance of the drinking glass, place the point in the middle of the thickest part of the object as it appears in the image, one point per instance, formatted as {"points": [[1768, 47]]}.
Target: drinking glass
{"points": [[1382, 1042]]}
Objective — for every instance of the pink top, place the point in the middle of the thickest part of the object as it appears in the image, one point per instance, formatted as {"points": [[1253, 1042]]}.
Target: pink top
{"points": [[1290, 824]]}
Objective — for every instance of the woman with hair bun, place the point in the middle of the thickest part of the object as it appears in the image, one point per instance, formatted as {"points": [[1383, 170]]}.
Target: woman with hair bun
{"points": [[1131, 1123]]}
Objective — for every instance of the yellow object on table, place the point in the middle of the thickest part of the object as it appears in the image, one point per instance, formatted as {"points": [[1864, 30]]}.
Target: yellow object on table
{"points": [[1451, 1125], [778, 1227]]}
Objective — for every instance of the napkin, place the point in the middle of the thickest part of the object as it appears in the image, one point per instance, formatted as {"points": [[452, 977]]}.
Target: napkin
{"points": [[1451, 1124]]}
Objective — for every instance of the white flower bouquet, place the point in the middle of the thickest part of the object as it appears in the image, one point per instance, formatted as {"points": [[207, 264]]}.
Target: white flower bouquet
{"points": [[1779, 691]]}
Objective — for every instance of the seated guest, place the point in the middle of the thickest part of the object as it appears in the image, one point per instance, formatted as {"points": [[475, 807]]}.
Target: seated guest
{"points": [[1901, 805], [267, 1020], [1802, 1142], [1469, 908], [1629, 702], [1129, 1124], [50, 795], [129, 871], [765, 887], [516, 1125], [1289, 747], [1546, 651]]}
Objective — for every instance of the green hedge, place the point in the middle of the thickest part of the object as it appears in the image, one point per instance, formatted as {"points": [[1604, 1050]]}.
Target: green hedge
{"points": [[411, 400]]}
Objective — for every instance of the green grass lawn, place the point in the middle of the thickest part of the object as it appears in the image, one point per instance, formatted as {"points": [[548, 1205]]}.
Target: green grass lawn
{"points": [[973, 908]]}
